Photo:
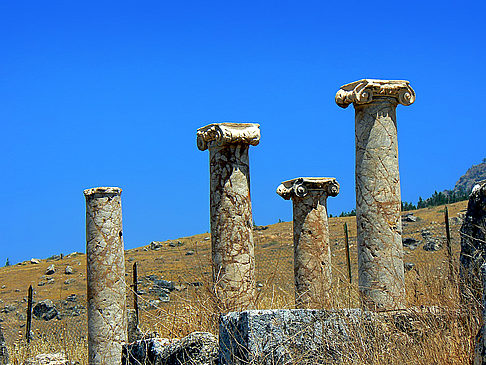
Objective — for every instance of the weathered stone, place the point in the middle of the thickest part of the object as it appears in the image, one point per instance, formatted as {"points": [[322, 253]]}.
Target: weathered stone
{"points": [[197, 348], [231, 216], [49, 359], [34, 261], [411, 243], [312, 252], [156, 245], [107, 318], [378, 200], [45, 310], [3, 349], [309, 336], [409, 218], [432, 245], [134, 332], [50, 269], [68, 270], [473, 242]]}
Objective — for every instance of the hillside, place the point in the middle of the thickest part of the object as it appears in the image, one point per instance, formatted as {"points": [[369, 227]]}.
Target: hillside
{"points": [[186, 263], [473, 175]]}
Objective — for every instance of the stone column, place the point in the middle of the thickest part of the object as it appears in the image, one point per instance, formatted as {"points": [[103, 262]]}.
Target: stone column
{"points": [[231, 218], [378, 200], [107, 317], [312, 253]]}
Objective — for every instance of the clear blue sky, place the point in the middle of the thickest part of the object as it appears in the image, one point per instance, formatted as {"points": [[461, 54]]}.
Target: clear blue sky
{"points": [[111, 94]]}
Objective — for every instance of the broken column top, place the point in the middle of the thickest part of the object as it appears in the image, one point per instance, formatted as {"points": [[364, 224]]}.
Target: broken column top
{"points": [[104, 190], [364, 91], [220, 134], [301, 186]]}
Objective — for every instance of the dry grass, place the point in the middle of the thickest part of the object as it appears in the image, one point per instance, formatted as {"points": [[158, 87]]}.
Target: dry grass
{"points": [[446, 340]]}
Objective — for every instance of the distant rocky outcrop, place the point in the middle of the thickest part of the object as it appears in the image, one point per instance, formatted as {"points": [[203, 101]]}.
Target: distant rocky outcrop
{"points": [[475, 174]]}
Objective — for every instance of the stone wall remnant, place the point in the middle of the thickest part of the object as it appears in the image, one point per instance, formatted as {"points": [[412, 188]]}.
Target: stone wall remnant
{"points": [[106, 295], [231, 215], [312, 253], [378, 199]]}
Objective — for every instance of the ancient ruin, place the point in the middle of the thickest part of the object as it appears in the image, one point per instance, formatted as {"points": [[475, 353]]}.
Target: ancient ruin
{"points": [[312, 253], [107, 315], [378, 199], [231, 216]]}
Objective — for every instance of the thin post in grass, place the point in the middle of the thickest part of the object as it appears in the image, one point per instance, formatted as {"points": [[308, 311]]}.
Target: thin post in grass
{"points": [[29, 314], [448, 243], [348, 259], [135, 290]]}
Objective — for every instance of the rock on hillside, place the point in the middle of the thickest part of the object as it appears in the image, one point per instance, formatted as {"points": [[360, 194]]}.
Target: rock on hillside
{"points": [[472, 176]]}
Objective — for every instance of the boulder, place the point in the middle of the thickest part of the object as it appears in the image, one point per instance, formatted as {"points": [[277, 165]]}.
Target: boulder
{"points": [[410, 243], [473, 242], [69, 270], [45, 310], [409, 218], [34, 261], [50, 269], [164, 284], [196, 348], [432, 245], [156, 245]]}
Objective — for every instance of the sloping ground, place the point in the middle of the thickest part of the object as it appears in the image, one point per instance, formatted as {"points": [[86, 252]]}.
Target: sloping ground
{"points": [[186, 262], [472, 176]]}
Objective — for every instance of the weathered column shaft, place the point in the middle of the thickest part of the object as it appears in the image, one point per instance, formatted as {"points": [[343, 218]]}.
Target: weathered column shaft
{"points": [[378, 199], [106, 296], [231, 216], [312, 253]]}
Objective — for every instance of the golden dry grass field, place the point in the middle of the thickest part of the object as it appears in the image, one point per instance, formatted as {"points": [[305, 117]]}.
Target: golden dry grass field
{"points": [[191, 308]]}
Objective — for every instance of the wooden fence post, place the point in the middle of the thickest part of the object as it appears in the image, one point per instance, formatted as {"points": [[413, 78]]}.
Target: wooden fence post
{"points": [[448, 244], [135, 291], [346, 240], [28, 336]]}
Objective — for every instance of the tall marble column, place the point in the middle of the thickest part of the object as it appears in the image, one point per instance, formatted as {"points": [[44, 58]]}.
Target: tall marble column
{"points": [[312, 253], [231, 217], [107, 316], [378, 200]]}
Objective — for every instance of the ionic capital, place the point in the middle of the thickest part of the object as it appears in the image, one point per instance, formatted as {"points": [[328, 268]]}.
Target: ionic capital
{"points": [[103, 190], [366, 90], [221, 134], [302, 186]]}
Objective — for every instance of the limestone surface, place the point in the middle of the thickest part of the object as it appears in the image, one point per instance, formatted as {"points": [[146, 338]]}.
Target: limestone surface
{"points": [[378, 198], [312, 253], [230, 208], [107, 317]]}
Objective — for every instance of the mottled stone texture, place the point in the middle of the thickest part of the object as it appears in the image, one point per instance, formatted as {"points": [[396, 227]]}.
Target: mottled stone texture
{"points": [[231, 217], [473, 244], [312, 253], [309, 336], [3, 349], [107, 317], [378, 200]]}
